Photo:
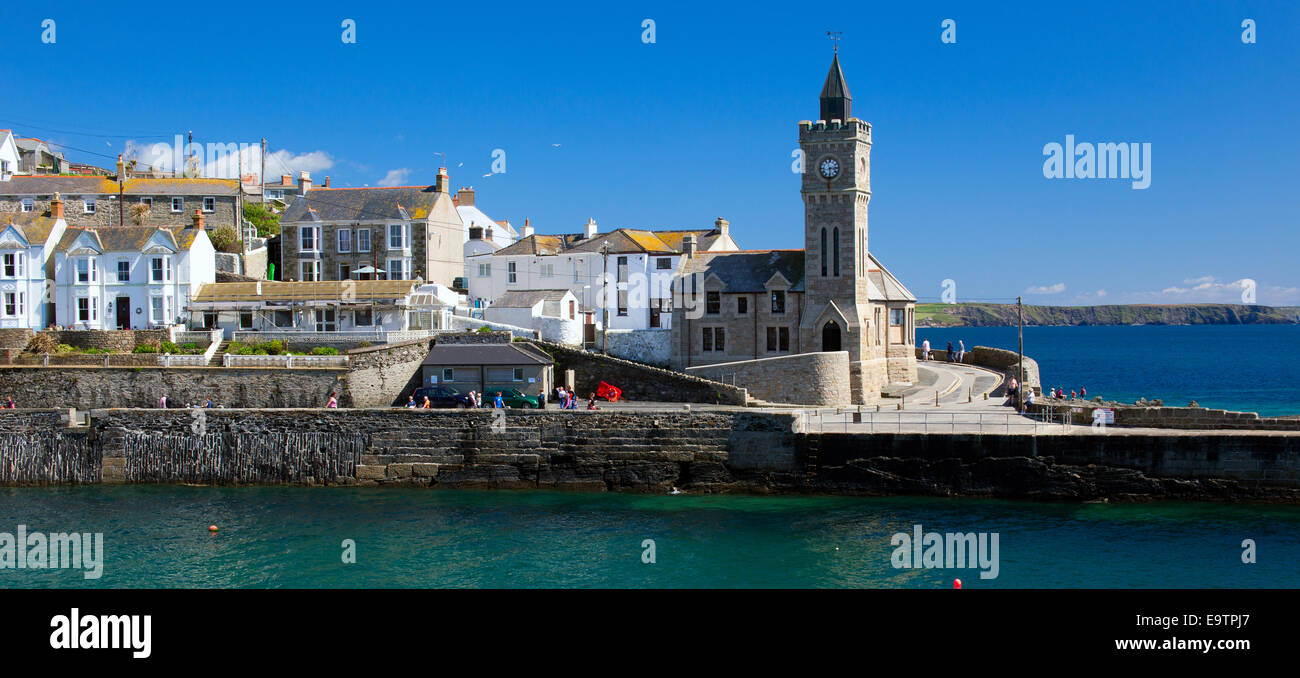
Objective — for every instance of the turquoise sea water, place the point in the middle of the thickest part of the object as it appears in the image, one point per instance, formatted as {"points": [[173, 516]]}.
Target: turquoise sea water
{"points": [[156, 536], [1255, 368]]}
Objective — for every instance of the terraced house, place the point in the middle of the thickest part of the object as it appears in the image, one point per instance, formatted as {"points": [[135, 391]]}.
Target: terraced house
{"points": [[27, 243], [397, 233], [103, 202]]}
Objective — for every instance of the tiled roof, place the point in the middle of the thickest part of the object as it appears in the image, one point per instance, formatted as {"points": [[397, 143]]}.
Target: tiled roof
{"points": [[483, 354], [100, 185], [334, 290], [34, 227], [527, 298], [749, 271], [364, 204]]}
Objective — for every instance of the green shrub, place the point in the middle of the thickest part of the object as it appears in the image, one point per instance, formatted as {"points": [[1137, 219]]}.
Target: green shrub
{"points": [[324, 350], [260, 351], [485, 328], [97, 351], [363, 344], [145, 348], [190, 347], [273, 347], [65, 348], [225, 239], [170, 347]]}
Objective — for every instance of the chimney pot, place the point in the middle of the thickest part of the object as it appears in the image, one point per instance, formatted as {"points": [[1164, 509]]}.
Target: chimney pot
{"points": [[198, 220], [528, 229], [56, 207], [465, 196], [442, 182], [327, 182], [589, 230]]}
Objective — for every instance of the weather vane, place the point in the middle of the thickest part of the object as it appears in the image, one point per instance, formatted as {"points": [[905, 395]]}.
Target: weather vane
{"points": [[835, 39]]}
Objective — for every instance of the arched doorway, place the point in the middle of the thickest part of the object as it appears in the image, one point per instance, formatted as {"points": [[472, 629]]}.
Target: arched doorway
{"points": [[831, 336]]}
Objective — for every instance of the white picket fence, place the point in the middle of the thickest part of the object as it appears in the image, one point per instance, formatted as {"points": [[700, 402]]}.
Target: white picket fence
{"points": [[230, 360]]}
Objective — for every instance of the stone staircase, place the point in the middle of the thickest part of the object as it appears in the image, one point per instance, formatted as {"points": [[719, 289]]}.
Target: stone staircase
{"points": [[216, 359]]}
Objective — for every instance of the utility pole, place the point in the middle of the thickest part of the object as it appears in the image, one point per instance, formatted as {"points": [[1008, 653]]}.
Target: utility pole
{"points": [[1020, 373], [604, 296]]}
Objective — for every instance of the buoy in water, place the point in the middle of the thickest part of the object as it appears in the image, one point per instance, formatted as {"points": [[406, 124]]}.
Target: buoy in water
{"points": [[212, 528], [956, 583]]}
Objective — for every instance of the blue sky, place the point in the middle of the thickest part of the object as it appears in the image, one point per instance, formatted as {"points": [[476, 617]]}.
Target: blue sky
{"points": [[702, 122]]}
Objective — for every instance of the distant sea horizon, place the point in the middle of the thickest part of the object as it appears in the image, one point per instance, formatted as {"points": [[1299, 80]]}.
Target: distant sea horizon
{"points": [[1234, 367]]}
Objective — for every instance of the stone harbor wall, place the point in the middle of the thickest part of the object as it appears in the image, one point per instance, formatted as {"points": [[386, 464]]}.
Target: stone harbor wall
{"points": [[998, 359], [1147, 416], [98, 387], [652, 347], [637, 380], [718, 451], [800, 379], [382, 375]]}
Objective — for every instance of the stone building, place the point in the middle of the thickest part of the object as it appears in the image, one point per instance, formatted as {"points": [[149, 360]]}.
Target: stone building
{"points": [[103, 202], [833, 295], [394, 233]]}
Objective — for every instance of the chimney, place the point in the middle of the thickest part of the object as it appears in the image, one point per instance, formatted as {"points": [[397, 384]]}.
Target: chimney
{"points": [[528, 229], [304, 182], [198, 220], [722, 225], [589, 229], [465, 196], [56, 207], [441, 184], [327, 182], [475, 232], [688, 245], [286, 180]]}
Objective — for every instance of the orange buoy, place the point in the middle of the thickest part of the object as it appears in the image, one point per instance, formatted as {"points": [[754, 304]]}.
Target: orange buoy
{"points": [[956, 583], [212, 528]]}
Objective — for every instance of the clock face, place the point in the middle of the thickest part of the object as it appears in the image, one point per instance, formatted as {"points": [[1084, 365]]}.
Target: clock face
{"points": [[829, 168]]}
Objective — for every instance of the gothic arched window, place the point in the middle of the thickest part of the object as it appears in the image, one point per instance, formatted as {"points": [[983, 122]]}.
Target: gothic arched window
{"points": [[823, 252], [835, 244]]}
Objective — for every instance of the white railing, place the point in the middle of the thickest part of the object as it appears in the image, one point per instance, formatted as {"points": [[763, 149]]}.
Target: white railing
{"points": [[230, 360], [865, 420], [300, 337], [194, 360]]}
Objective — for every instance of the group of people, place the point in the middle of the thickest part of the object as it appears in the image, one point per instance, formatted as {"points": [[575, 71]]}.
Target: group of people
{"points": [[1059, 392], [953, 356], [568, 400], [162, 402]]}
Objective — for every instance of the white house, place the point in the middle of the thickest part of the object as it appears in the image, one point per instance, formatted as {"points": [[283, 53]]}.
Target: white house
{"points": [[27, 243], [130, 277], [634, 268], [9, 156], [482, 234]]}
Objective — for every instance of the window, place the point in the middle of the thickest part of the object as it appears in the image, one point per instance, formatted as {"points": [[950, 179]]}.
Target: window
{"points": [[147, 202], [396, 269], [895, 316], [519, 374], [86, 309], [622, 302], [245, 320], [823, 254], [712, 303], [547, 270], [345, 271], [13, 265], [28, 204], [783, 336], [123, 270], [771, 339], [275, 195], [835, 248], [658, 309], [510, 271], [363, 240], [283, 319], [178, 205], [622, 269], [345, 240], [448, 374], [309, 239], [714, 339], [396, 237], [778, 302], [210, 320], [363, 317], [86, 270], [742, 305], [663, 264], [325, 320], [88, 205], [13, 303], [309, 271], [160, 269], [485, 270], [156, 310], [209, 204], [573, 312]]}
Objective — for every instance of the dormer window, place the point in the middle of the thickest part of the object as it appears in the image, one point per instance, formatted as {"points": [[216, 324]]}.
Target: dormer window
{"points": [[778, 302], [29, 204]]}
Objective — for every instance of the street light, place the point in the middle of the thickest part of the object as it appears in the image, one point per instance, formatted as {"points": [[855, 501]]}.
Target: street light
{"points": [[604, 295]]}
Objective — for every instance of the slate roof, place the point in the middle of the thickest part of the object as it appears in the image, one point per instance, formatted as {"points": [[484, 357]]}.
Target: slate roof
{"points": [[48, 184], [117, 239], [527, 298], [34, 227], [621, 241], [883, 286], [363, 204], [483, 354], [835, 87], [749, 270]]}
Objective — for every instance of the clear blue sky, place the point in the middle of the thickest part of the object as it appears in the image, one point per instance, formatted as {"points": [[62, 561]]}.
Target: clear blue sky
{"points": [[701, 123]]}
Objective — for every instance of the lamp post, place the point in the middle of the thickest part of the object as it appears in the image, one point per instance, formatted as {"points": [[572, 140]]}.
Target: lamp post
{"points": [[604, 295]]}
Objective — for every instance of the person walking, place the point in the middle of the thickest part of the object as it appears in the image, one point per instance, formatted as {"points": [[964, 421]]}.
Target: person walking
{"points": [[499, 402], [949, 351], [925, 350], [591, 402], [541, 398], [162, 402], [333, 402], [961, 351]]}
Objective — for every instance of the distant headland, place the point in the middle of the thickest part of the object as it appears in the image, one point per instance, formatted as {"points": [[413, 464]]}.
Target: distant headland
{"points": [[989, 315]]}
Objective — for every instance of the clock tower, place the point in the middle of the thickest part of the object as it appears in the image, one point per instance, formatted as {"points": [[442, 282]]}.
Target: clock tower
{"points": [[838, 313]]}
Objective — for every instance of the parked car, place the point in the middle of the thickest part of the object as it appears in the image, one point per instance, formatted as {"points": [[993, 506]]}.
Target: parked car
{"points": [[516, 398], [441, 396]]}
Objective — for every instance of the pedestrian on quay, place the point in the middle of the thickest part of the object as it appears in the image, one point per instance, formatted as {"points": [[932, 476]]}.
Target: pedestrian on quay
{"points": [[559, 397], [428, 404], [333, 402], [949, 351], [162, 402], [925, 350], [207, 403], [961, 351], [541, 398], [410, 401], [499, 402], [10, 404], [591, 402], [1083, 392]]}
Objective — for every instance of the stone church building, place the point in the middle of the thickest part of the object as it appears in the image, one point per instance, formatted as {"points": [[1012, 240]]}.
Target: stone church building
{"points": [[833, 295]]}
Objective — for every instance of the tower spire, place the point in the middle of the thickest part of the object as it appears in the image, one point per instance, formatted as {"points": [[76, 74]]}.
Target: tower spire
{"points": [[837, 103]]}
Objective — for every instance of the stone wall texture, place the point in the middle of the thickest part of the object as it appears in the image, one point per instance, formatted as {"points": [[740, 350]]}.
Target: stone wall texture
{"points": [[638, 381], [15, 338], [118, 341], [1200, 418], [560, 330], [99, 387], [382, 375], [652, 347], [802, 379]]}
